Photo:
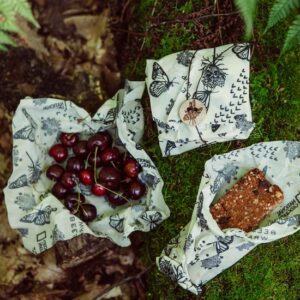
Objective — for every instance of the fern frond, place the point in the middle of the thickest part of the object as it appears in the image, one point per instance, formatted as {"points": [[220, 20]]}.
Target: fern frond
{"points": [[247, 10], [5, 39], [293, 35], [23, 8], [280, 10], [3, 48]]}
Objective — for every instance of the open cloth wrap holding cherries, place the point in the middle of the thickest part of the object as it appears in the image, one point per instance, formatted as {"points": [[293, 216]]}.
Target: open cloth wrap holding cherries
{"points": [[36, 213], [202, 250], [216, 81]]}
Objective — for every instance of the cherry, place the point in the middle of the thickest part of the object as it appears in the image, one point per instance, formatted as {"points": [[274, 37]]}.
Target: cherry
{"points": [[86, 176], [69, 139], [109, 155], [80, 149], [115, 199], [88, 212], [98, 190], [75, 164], [110, 177], [92, 159], [72, 202], [55, 172], [69, 180], [136, 189], [131, 167], [102, 140], [58, 152], [119, 162], [59, 191]]}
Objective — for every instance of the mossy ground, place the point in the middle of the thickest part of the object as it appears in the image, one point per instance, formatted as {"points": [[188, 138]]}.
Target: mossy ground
{"points": [[271, 271]]}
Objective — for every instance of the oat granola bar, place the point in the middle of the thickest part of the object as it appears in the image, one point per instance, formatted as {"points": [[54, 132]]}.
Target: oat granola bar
{"points": [[247, 202]]}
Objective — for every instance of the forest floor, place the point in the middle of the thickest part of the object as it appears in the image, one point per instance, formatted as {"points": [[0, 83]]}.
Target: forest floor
{"points": [[75, 70]]}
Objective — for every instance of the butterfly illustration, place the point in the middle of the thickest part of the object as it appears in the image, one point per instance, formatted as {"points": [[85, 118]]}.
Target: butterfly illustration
{"points": [[27, 132], [242, 51], [40, 217], [117, 223], [202, 96], [222, 243], [161, 81], [19, 182], [191, 113]]}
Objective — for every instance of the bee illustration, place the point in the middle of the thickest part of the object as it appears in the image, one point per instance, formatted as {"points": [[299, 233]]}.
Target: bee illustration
{"points": [[192, 112]]}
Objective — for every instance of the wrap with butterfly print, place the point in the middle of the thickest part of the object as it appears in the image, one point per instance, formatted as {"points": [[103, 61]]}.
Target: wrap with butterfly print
{"points": [[40, 218], [202, 250], [218, 78]]}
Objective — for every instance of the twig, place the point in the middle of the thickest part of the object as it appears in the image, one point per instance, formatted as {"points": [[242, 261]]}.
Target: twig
{"points": [[129, 278], [219, 27], [182, 20]]}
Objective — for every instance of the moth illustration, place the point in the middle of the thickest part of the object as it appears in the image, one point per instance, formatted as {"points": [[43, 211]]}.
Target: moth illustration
{"points": [[242, 51], [117, 223], [28, 132], [40, 217], [161, 81], [192, 112]]}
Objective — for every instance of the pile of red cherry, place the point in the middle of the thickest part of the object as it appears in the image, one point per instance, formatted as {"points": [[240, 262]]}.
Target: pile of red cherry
{"points": [[96, 163]]}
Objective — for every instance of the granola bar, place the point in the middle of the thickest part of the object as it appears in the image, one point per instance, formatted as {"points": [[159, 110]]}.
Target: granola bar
{"points": [[247, 202]]}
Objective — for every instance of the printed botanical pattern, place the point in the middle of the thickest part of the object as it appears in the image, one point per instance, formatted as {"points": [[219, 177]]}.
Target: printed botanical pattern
{"points": [[211, 262], [292, 150], [176, 273], [184, 57], [25, 202], [51, 126]]}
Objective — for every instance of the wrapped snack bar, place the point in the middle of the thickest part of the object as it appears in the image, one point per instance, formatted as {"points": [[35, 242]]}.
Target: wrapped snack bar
{"points": [[208, 244]]}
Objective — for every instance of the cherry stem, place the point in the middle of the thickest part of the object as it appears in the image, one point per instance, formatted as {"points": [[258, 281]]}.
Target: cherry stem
{"points": [[78, 202], [111, 191], [87, 160]]}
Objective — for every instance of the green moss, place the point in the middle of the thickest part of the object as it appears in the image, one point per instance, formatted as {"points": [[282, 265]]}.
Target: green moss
{"points": [[271, 271]]}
